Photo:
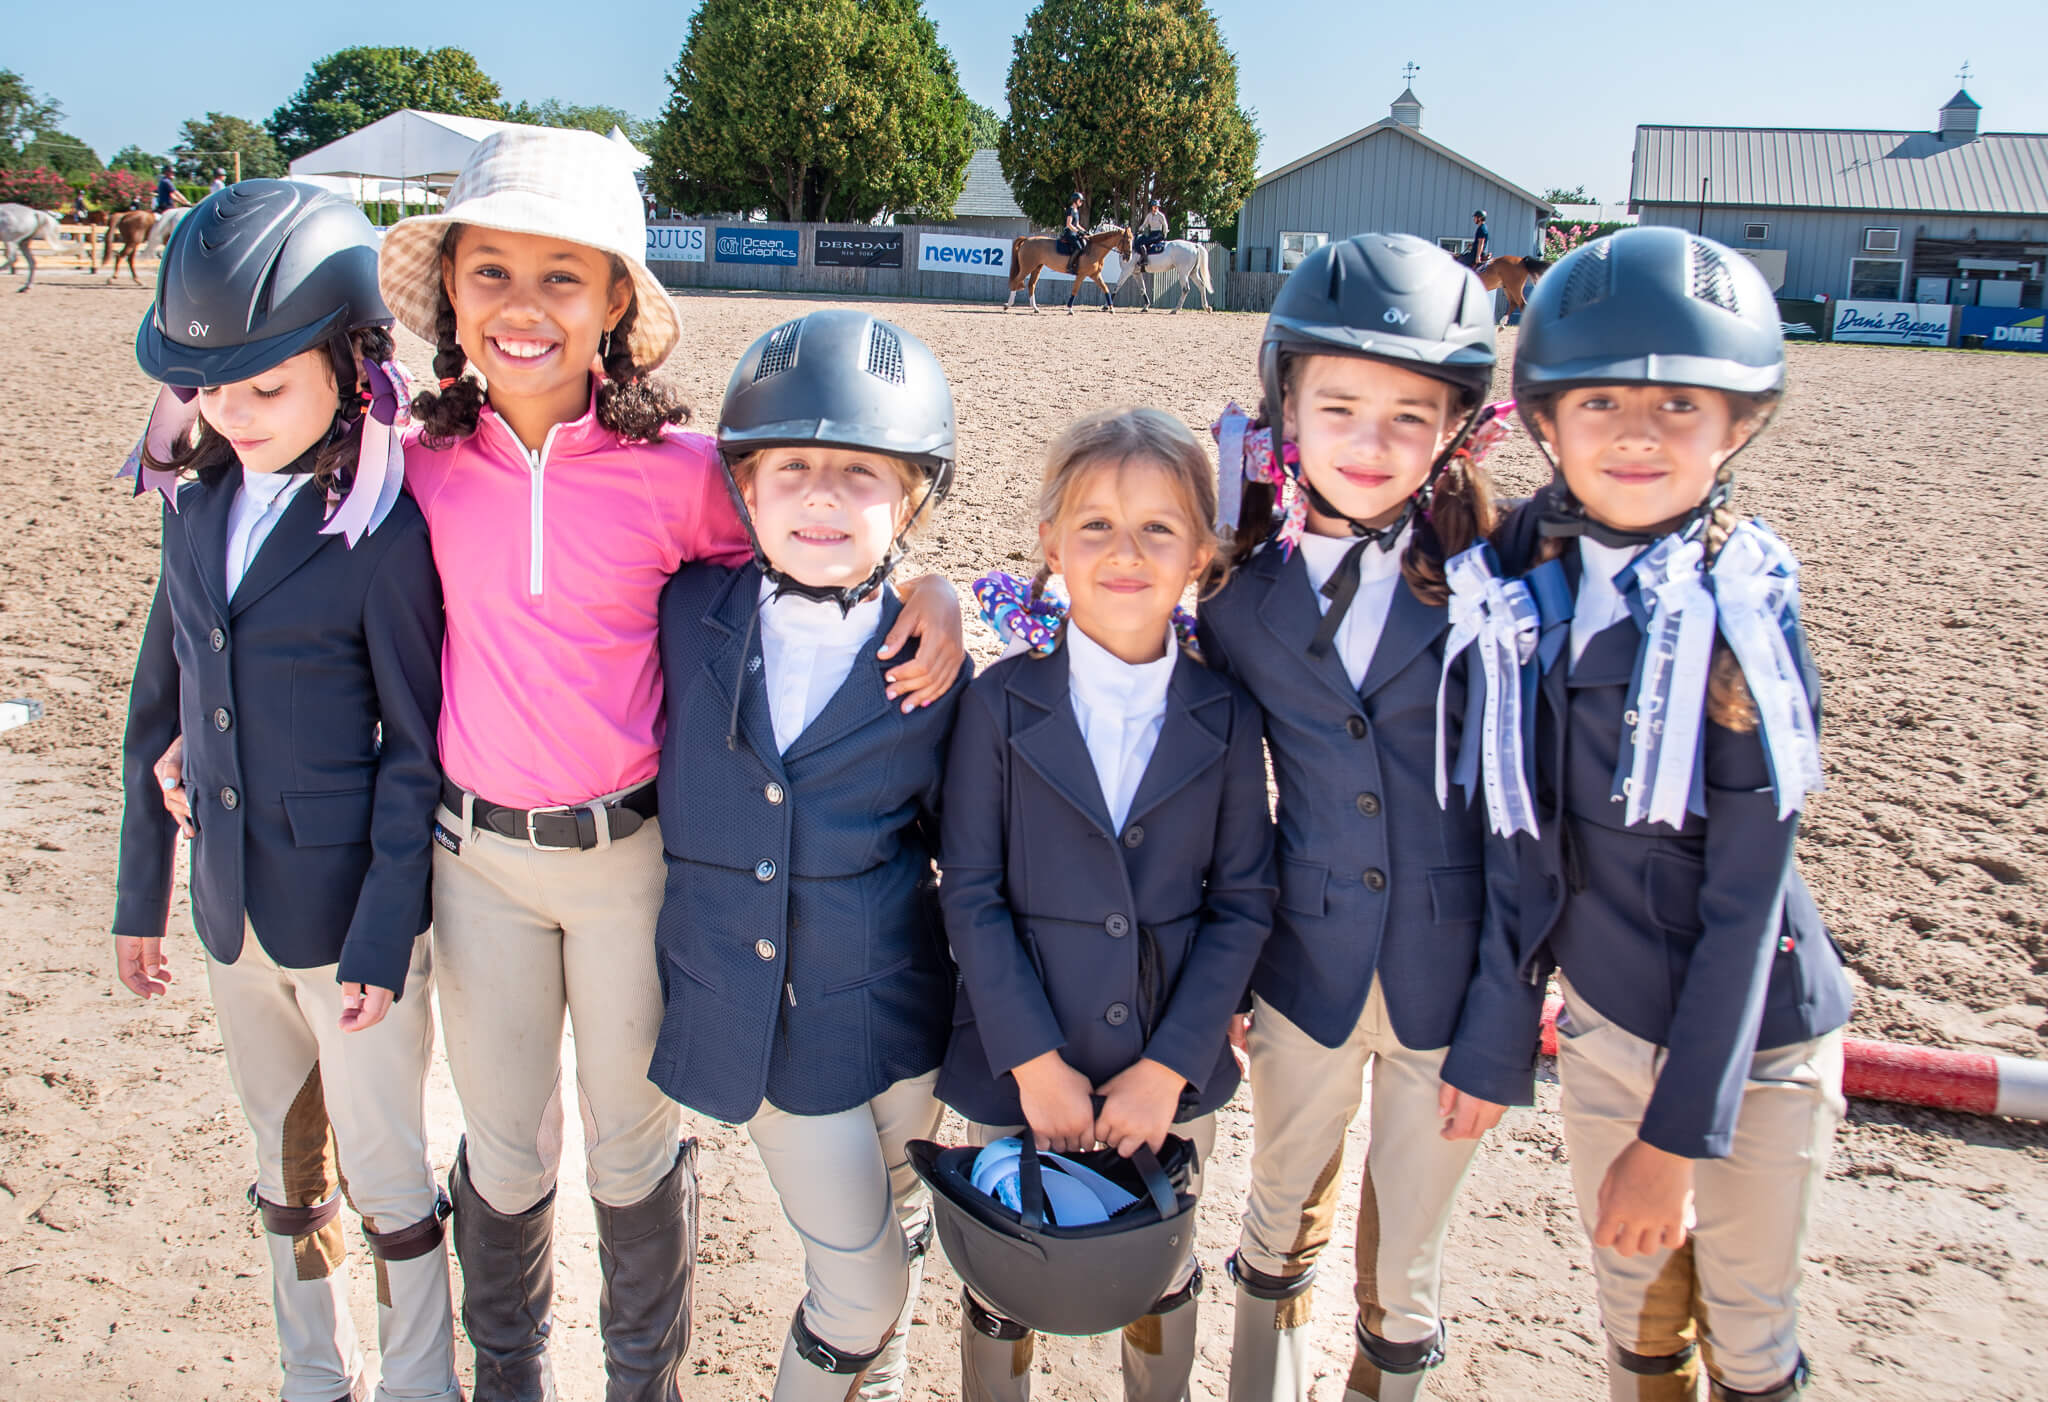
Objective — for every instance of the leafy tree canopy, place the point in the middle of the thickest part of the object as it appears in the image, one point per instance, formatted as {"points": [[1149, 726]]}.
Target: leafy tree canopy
{"points": [[352, 88], [205, 145], [1557, 194], [23, 113], [984, 127]]}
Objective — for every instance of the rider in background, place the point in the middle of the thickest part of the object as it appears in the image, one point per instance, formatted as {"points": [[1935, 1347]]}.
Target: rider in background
{"points": [[167, 196], [1476, 259], [1074, 237], [1151, 234]]}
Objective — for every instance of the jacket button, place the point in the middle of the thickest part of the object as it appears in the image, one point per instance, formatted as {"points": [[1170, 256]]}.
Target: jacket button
{"points": [[764, 948], [221, 719], [1133, 835], [764, 870], [229, 799], [1369, 804], [217, 640], [1117, 925], [773, 793], [1375, 879], [1356, 725], [1116, 1015]]}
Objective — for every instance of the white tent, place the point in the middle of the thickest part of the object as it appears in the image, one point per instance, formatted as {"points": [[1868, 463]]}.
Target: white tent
{"points": [[417, 148]]}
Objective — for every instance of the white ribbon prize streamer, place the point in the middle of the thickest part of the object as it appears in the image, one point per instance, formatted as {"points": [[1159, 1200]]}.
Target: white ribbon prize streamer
{"points": [[1756, 585], [1500, 618], [1678, 653], [1230, 466]]}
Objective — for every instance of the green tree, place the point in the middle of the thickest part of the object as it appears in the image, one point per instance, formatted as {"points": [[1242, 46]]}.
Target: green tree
{"points": [[1126, 101], [553, 112], [61, 152], [204, 144], [817, 109], [134, 158], [23, 114], [352, 88], [984, 127], [1557, 194]]}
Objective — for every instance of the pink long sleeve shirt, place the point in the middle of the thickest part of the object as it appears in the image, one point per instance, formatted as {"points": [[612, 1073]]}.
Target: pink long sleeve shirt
{"points": [[552, 565]]}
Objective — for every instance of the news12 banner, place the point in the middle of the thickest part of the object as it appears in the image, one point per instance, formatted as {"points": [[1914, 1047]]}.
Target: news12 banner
{"points": [[963, 253], [2007, 328], [857, 248], [757, 245], [675, 243]]}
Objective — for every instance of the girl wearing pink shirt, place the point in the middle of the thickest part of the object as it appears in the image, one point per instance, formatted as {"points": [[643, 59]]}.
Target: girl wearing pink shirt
{"points": [[559, 500]]}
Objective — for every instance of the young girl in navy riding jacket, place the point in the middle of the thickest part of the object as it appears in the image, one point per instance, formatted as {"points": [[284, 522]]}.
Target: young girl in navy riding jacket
{"points": [[1107, 855], [1673, 737]]}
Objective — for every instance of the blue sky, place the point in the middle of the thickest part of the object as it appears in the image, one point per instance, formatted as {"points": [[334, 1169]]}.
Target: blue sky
{"points": [[1540, 97]]}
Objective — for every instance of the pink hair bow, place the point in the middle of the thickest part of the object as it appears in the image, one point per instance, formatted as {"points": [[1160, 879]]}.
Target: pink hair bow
{"points": [[1489, 431], [170, 419], [380, 458], [1247, 454]]}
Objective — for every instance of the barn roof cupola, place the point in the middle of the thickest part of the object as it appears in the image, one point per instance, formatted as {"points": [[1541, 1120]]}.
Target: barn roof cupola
{"points": [[1958, 118], [1407, 109]]}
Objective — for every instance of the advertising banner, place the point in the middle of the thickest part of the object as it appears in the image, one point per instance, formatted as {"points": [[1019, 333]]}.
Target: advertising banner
{"points": [[1893, 323], [758, 245], [675, 243], [2007, 328], [839, 248], [963, 253]]}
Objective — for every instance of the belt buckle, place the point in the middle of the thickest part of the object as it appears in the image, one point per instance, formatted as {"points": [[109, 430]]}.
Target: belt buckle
{"points": [[566, 810]]}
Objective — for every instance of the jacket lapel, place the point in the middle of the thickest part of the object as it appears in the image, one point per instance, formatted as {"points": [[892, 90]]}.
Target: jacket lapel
{"points": [[204, 513], [1290, 613], [291, 542], [1410, 628], [732, 613], [1610, 656], [1052, 744], [1187, 745], [860, 698]]}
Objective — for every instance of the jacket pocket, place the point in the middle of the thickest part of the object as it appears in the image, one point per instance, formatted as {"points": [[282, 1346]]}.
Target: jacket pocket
{"points": [[1671, 890], [333, 819], [1304, 887], [848, 985], [1456, 894], [676, 965]]}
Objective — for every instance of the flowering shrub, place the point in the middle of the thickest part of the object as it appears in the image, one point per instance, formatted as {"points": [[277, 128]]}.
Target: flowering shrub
{"points": [[38, 187], [116, 189], [1559, 240]]}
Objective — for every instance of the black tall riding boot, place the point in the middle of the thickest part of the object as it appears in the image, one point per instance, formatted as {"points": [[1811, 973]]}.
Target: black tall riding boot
{"points": [[508, 1287], [647, 1252]]}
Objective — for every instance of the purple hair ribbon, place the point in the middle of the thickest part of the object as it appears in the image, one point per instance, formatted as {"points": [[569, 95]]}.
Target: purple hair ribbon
{"points": [[1034, 624], [380, 460], [170, 418]]}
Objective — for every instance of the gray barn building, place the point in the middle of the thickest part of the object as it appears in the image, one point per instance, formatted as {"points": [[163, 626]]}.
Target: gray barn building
{"points": [[986, 206], [1950, 215], [1387, 178]]}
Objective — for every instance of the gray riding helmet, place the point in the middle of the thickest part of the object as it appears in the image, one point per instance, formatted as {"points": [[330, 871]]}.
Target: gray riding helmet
{"points": [[253, 276], [841, 378], [1651, 306], [1391, 297]]}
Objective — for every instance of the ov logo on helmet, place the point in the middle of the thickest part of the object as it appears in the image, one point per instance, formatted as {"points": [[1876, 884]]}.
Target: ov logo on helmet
{"points": [[1394, 316], [198, 329]]}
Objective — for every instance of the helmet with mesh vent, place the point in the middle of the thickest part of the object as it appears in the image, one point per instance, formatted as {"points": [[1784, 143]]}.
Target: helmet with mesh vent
{"points": [[1651, 306]]}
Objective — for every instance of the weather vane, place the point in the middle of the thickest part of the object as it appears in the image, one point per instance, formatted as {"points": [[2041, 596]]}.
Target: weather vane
{"points": [[1411, 70], [1964, 76]]}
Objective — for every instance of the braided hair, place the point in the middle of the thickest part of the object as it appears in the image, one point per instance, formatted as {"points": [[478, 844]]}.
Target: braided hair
{"points": [[629, 404]]}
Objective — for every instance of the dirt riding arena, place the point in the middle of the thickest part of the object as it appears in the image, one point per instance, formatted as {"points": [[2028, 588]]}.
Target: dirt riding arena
{"points": [[1912, 483]]}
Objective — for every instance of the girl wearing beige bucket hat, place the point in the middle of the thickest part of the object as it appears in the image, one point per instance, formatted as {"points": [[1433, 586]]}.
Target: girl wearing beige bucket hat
{"points": [[560, 494]]}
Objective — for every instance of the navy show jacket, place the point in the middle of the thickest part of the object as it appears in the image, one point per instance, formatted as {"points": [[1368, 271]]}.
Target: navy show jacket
{"points": [[1703, 940], [801, 953], [309, 704], [1375, 876], [1107, 945]]}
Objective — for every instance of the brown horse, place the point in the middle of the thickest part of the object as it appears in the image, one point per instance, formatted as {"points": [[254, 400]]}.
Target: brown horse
{"points": [[132, 228], [1033, 254], [1514, 276]]}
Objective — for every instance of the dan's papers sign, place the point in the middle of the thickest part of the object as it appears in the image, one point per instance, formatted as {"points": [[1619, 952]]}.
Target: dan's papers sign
{"points": [[1893, 323]]}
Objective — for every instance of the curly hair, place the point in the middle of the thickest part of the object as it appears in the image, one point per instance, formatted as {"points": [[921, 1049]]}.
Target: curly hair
{"points": [[629, 404], [208, 456]]}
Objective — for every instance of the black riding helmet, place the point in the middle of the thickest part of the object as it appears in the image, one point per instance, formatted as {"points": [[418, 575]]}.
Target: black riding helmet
{"points": [[1647, 306], [254, 275], [840, 378]]}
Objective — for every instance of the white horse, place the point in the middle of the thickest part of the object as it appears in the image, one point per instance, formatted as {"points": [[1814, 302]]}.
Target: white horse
{"points": [[161, 231], [19, 226], [1180, 260]]}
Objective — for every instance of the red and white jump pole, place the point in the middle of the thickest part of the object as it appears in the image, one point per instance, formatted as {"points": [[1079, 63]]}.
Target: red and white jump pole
{"points": [[1975, 1083]]}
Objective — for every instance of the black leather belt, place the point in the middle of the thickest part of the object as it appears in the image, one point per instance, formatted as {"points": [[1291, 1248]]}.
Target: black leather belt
{"points": [[565, 828]]}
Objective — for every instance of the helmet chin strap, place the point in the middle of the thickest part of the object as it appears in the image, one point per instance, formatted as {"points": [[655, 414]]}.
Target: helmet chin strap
{"points": [[1566, 517]]}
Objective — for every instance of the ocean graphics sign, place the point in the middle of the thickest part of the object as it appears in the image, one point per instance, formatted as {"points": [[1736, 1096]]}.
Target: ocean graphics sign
{"points": [[859, 248], [963, 253], [1893, 323], [2007, 328], [675, 243], [758, 245]]}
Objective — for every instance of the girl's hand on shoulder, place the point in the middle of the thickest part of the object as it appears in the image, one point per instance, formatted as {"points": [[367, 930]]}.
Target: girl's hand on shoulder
{"points": [[1240, 1034], [170, 773], [1056, 1103], [1645, 1201], [931, 614], [1465, 1116], [1138, 1104], [140, 964], [363, 1006]]}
